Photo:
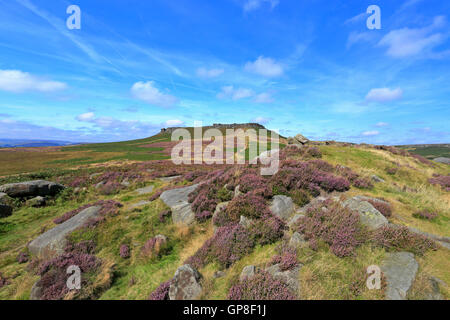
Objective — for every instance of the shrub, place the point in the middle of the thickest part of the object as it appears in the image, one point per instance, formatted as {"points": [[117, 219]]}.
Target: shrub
{"points": [[108, 207], [204, 216], [424, 214], [255, 182], [383, 206], [3, 281], [162, 292], [229, 244], [400, 238], [391, 171], [249, 205], [53, 273], [267, 230], [337, 226], [124, 251], [155, 247], [443, 181], [287, 259], [262, 286], [164, 215], [363, 183], [300, 197], [22, 257]]}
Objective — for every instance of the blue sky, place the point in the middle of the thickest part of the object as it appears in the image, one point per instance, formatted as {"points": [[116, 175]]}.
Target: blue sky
{"points": [[310, 67]]}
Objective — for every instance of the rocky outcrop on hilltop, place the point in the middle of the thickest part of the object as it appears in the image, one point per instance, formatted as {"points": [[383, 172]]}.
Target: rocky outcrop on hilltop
{"points": [[31, 189]]}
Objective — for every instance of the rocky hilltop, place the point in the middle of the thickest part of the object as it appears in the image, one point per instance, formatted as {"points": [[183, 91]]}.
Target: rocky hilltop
{"points": [[220, 126]]}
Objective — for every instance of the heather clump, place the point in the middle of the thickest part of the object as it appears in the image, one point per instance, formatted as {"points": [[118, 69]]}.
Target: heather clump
{"points": [[164, 215], [256, 183], [382, 206], [337, 226], [267, 230], [229, 244], [249, 205], [400, 238], [108, 207], [363, 183], [23, 257], [286, 258], [302, 152], [124, 251], [54, 271], [3, 281], [425, 214], [261, 286], [155, 247], [312, 176], [443, 181], [162, 292]]}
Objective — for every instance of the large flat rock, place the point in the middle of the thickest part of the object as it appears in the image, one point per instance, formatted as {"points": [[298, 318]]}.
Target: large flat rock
{"points": [[31, 188], [400, 269], [52, 242], [177, 200]]}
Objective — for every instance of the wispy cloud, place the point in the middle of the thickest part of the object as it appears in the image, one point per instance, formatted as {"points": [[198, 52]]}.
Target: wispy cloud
{"points": [[147, 92], [384, 95], [251, 5], [261, 120], [209, 73], [264, 97], [382, 124], [17, 81], [229, 92], [407, 42], [370, 133]]}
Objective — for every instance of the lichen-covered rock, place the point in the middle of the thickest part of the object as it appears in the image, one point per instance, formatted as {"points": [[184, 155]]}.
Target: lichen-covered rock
{"points": [[369, 216], [301, 138], [297, 241], [52, 242], [145, 190], [282, 207], [247, 272], [177, 200], [296, 218], [31, 188], [185, 284], [36, 202], [376, 178], [245, 222], [5, 199], [290, 277], [400, 270]]}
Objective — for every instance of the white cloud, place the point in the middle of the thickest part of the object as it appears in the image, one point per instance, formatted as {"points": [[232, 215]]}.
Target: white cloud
{"points": [[384, 95], [17, 81], [229, 92], [264, 97], [251, 5], [261, 120], [266, 67], [355, 37], [147, 92], [174, 123], [86, 117], [370, 133], [409, 42], [358, 18], [382, 124], [211, 73]]}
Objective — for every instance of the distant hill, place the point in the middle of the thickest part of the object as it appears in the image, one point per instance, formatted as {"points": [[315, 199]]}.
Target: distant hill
{"points": [[429, 151], [24, 143]]}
